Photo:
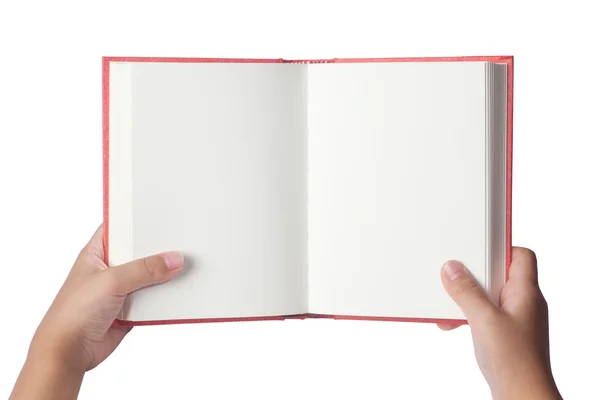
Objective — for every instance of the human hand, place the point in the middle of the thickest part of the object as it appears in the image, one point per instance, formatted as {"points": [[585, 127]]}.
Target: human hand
{"points": [[76, 333], [511, 342]]}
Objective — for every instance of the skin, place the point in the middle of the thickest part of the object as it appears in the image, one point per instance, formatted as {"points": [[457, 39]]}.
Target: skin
{"points": [[510, 341], [77, 332]]}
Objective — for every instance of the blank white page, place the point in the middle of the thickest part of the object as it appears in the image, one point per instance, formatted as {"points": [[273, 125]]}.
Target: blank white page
{"points": [[210, 159], [397, 185]]}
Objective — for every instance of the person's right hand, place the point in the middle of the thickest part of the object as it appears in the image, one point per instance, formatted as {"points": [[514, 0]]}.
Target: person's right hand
{"points": [[511, 342]]}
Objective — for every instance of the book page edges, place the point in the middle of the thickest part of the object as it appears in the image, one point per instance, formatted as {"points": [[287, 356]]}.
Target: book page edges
{"points": [[497, 170]]}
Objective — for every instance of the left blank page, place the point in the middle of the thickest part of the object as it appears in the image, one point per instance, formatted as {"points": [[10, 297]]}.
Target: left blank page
{"points": [[210, 159]]}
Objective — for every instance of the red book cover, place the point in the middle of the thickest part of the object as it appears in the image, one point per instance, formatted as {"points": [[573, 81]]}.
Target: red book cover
{"points": [[508, 60]]}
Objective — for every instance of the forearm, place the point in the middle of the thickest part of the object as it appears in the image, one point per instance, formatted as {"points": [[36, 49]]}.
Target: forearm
{"points": [[528, 386], [47, 378], [529, 393]]}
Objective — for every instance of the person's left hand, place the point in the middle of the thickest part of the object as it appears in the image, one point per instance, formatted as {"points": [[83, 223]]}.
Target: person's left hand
{"points": [[77, 330]]}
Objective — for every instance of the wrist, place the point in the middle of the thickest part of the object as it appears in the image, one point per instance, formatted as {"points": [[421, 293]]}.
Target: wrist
{"points": [[46, 375], [58, 367], [56, 352]]}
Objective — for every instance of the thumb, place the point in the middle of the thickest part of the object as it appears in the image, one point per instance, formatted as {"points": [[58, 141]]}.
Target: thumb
{"points": [[465, 291], [146, 271]]}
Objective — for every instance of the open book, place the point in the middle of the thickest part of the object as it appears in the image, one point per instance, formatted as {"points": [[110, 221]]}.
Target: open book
{"points": [[330, 188]]}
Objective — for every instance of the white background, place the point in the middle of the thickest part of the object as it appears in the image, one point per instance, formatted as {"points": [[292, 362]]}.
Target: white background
{"points": [[51, 188]]}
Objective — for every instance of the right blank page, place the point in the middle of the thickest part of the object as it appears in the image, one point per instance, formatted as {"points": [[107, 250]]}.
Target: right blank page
{"points": [[397, 185]]}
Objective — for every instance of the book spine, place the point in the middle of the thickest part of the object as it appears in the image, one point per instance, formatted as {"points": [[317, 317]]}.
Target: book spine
{"points": [[308, 61]]}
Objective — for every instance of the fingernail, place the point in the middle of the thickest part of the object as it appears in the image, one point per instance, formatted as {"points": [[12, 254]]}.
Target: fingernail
{"points": [[453, 270], [173, 260]]}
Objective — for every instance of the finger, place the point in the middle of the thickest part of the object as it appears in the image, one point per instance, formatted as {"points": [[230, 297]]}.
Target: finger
{"points": [[95, 246], [523, 266], [113, 338], [465, 291], [116, 334], [447, 327], [146, 271], [91, 256]]}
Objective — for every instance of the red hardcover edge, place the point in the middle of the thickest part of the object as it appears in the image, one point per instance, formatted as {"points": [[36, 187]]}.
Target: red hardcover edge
{"points": [[105, 97], [509, 60]]}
